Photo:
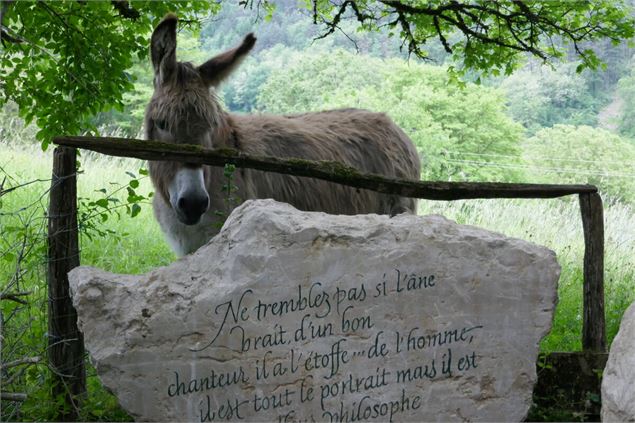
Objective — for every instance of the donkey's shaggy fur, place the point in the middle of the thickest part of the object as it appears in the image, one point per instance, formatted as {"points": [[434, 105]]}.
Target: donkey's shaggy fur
{"points": [[183, 110]]}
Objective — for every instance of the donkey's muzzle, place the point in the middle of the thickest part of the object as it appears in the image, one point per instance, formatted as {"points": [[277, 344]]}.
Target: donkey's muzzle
{"points": [[191, 208]]}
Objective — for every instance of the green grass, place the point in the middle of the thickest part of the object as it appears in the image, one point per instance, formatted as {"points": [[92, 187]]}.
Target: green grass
{"points": [[140, 247]]}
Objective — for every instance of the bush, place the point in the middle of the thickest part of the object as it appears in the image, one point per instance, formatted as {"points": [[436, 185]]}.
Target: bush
{"points": [[582, 155]]}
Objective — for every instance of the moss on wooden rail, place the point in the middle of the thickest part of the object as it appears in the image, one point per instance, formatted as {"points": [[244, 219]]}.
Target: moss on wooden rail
{"points": [[325, 170]]}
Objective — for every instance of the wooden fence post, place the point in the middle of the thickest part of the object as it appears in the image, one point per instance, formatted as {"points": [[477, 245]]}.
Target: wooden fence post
{"points": [[593, 326], [66, 342]]}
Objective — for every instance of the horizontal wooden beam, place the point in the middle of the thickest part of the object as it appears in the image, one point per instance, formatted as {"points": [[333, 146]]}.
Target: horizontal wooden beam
{"points": [[325, 170]]}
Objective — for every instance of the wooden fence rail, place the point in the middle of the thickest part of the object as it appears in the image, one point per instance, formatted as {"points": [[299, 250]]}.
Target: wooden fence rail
{"points": [[593, 332], [328, 171]]}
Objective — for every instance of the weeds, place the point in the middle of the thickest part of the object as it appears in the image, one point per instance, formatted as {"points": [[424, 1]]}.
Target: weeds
{"points": [[105, 218]]}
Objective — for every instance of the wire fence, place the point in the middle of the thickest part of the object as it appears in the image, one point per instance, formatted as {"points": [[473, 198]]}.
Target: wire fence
{"points": [[559, 170], [25, 341], [539, 158], [23, 235]]}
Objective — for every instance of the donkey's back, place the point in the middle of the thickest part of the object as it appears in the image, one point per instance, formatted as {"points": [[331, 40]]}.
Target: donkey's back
{"points": [[367, 141]]}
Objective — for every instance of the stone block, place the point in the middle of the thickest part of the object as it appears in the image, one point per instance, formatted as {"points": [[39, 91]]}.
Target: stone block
{"points": [[296, 316]]}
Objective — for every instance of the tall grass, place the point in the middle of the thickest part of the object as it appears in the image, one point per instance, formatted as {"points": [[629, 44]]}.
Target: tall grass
{"points": [[140, 246]]}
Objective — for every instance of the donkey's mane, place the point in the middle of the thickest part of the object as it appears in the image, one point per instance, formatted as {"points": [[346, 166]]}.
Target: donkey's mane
{"points": [[186, 72]]}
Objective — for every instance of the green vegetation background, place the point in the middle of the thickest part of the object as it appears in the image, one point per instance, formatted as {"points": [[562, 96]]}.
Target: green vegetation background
{"points": [[540, 124]]}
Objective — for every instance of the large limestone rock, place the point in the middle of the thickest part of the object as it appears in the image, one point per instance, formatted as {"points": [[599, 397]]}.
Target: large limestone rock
{"points": [[618, 382], [294, 316]]}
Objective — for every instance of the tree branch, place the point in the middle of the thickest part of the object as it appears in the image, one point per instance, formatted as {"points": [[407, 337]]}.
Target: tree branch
{"points": [[15, 296], [5, 36], [15, 363], [517, 26], [11, 396], [335, 22], [446, 46], [125, 10], [4, 31]]}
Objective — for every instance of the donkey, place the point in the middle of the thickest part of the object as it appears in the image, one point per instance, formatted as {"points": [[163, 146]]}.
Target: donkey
{"points": [[190, 201]]}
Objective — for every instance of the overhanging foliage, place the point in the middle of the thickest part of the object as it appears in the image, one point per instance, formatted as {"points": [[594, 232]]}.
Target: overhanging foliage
{"points": [[486, 35], [64, 61]]}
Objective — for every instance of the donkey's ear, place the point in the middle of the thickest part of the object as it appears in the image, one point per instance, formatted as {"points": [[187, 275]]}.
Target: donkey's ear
{"points": [[163, 47], [218, 68]]}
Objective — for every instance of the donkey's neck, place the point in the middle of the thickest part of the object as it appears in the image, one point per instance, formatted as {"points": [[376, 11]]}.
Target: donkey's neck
{"points": [[223, 136]]}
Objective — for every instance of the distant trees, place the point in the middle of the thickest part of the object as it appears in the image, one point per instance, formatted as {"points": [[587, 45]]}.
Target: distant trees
{"points": [[445, 120], [626, 92], [540, 96], [582, 154]]}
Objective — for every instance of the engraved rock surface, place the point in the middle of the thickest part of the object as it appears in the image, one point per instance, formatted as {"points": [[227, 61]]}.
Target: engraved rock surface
{"points": [[618, 389], [297, 316]]}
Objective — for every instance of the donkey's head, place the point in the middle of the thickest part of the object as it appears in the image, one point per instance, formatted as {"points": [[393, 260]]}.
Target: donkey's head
{"points": [[183, 110]]}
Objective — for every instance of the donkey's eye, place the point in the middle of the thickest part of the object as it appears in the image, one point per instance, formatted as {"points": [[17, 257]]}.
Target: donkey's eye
{"points": [[161, 124]]}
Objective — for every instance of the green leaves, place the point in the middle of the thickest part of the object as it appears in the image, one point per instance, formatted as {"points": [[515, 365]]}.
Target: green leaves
{"points": [[112, 202], [228, 187], [102, 202], [73, 59], [135, 210], [230, 200]]}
